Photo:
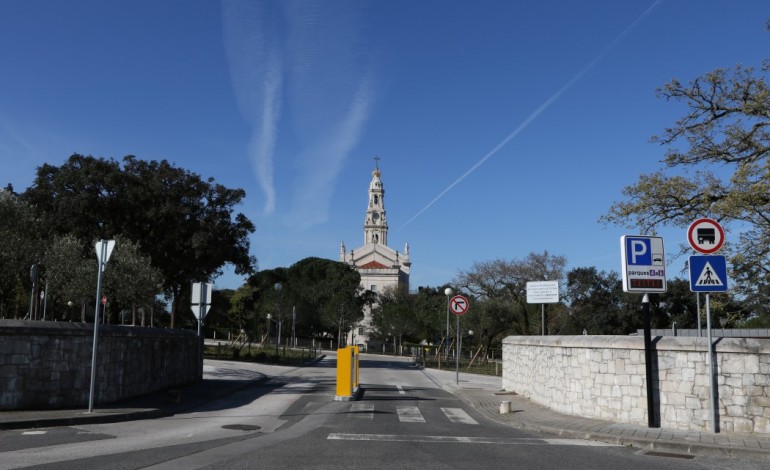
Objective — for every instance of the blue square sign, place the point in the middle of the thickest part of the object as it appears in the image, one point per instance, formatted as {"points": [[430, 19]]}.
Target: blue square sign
{"points": [[708, 274], [644, 264]]}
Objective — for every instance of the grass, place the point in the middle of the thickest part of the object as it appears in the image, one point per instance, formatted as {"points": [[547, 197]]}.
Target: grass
{"points": [[262, 354]]}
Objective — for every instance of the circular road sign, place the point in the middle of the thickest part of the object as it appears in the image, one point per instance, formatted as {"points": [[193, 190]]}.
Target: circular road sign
{"points": [[706, 236], [458, 305]]}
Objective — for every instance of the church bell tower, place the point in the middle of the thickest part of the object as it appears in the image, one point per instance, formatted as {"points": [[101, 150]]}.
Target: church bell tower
{"points": [[376, 224]]}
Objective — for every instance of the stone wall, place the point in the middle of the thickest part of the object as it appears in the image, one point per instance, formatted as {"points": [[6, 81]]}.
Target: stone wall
{"points": [[604, 377], [48, 364]]}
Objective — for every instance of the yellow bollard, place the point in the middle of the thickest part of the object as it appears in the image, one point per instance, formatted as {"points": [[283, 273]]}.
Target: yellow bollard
{"points": [[347, 374]]}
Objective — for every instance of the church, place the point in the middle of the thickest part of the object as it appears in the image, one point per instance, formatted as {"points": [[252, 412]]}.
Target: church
{"points": [[379, 265]]}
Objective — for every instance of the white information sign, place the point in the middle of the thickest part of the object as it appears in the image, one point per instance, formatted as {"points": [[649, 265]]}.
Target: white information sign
{"points": [[543, 292]]}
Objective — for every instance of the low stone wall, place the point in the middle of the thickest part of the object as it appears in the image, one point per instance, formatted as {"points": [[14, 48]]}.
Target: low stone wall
{"points": [[604, 377], [48, 364]]}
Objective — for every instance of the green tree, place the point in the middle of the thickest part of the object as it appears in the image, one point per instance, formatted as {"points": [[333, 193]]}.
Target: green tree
{"points": [[394, 315], [71, 275], [185, 224], [132, 281], [717, 165], [21, 247], [506, 281]]}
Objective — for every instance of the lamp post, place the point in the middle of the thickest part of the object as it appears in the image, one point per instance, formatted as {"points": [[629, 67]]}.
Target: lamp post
{"points": [[278, 287], [448, 292]]}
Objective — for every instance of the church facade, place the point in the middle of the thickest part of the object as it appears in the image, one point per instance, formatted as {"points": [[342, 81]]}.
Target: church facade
{"points": [[380, 266]]}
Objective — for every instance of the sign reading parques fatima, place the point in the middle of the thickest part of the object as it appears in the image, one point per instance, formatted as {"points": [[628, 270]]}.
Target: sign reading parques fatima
{"points": [[644, 264]]}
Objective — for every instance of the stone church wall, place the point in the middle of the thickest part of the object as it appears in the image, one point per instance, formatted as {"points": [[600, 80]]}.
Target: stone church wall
{"points": [[604, 377], [48, 364]]}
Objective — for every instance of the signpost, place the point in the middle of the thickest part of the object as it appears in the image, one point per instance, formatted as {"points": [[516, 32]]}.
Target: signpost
{"points": [[708, 274], [200, 305], [644, 271], [459, 306], [543, 292], [103, 251]]}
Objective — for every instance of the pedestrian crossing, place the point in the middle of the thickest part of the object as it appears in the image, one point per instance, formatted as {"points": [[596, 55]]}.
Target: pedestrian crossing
{"points": [[408, 414]]}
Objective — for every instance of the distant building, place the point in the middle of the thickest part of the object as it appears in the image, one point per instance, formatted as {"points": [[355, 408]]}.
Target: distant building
{"points": [[379, 265]]}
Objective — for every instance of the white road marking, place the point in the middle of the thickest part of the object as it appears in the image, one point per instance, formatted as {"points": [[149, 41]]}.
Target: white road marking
{"points": [[409, 414], [361, 411], [401, 390], [464, 440], [458, 415], [33, 433]]}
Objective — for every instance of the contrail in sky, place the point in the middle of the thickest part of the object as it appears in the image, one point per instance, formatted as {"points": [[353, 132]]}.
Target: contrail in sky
{"points": [[537, 112]]}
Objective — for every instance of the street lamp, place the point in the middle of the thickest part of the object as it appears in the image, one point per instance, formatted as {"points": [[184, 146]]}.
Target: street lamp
{"points": [[278, 287], [448, 292]]}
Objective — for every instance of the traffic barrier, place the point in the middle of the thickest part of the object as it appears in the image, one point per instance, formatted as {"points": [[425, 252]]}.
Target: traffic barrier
{"points": [[347, 374]]}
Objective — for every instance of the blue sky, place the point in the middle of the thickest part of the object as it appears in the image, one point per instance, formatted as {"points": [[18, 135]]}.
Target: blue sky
{"points": [[503, 127]]}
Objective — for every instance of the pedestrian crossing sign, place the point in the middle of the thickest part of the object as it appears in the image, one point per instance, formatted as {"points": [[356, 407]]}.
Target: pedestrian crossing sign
{"points": [[708, 274]]}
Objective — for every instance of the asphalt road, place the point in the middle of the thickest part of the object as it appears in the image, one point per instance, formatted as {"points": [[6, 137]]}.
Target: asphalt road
{"points": [[404, 420]]}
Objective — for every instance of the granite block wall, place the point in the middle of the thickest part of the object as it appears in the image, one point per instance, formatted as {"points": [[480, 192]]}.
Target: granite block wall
{"points": [[48, 364], [604, 377]]}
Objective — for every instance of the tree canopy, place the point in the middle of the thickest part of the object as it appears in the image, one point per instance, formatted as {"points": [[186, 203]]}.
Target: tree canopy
{"points": [[717, 165], [185, 225]]}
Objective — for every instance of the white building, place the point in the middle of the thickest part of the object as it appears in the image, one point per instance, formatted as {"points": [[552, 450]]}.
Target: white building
{"points": [[379, 265]]}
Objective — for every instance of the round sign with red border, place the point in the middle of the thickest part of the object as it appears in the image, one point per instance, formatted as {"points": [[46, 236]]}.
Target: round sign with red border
{"points": [[458, 305], [706, 236]]}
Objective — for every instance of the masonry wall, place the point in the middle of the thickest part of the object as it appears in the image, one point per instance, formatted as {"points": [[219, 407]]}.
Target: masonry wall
{"points": [[604, 377], [48, 364]]}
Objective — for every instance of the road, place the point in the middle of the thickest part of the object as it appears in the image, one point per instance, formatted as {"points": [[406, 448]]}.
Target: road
{"points": [[404, 420]]}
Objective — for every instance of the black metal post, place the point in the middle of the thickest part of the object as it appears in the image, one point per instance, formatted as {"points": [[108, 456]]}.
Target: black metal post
{"points": [[648, 362]]}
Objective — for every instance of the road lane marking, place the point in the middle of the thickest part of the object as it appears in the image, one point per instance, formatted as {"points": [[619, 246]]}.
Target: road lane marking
{"points": [[409, 414], [458, 415], [361, 411], [33, 433], [465, 440], [401, 390]]}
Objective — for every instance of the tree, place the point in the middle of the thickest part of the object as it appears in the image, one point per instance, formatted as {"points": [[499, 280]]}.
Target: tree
{"points": [[506, 281], [598, 305], [394, 315], [185, 224], [21, 247], [132, 281], [720, 170], [71, 275]]}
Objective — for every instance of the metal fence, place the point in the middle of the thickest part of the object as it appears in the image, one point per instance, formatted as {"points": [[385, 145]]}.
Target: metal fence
{"points": [[473, 361]]}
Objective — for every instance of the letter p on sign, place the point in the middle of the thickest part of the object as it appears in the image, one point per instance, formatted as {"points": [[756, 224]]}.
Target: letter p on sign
{"points": [[638, 250]]}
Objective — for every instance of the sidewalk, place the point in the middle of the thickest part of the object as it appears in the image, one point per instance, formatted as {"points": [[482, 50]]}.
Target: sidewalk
{"points": [[485, 395], [220, 378]]}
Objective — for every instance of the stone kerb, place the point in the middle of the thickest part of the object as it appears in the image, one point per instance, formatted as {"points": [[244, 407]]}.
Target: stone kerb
{"points": [[48, 364], [604, 377]]}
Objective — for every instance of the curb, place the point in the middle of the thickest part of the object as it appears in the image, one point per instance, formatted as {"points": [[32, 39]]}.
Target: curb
{"points": [[648, 444]]}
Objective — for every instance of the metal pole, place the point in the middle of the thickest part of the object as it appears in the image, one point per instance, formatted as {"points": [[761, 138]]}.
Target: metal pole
{"points": [[103, 248], [648, 361], [542, 317], [457, 356], [447, 326], [697, 303], [711, 368], [293, 323]]}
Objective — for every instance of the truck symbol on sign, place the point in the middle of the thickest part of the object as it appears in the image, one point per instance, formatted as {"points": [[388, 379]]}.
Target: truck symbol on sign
{"points": [[706, 235]]}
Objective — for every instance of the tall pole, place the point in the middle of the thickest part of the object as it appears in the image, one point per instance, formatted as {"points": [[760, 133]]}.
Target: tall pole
{"points": [[102, 256], [448, 292], [697, 305], [278, 287], [711, 368], [648, 361], [457, 356]]}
